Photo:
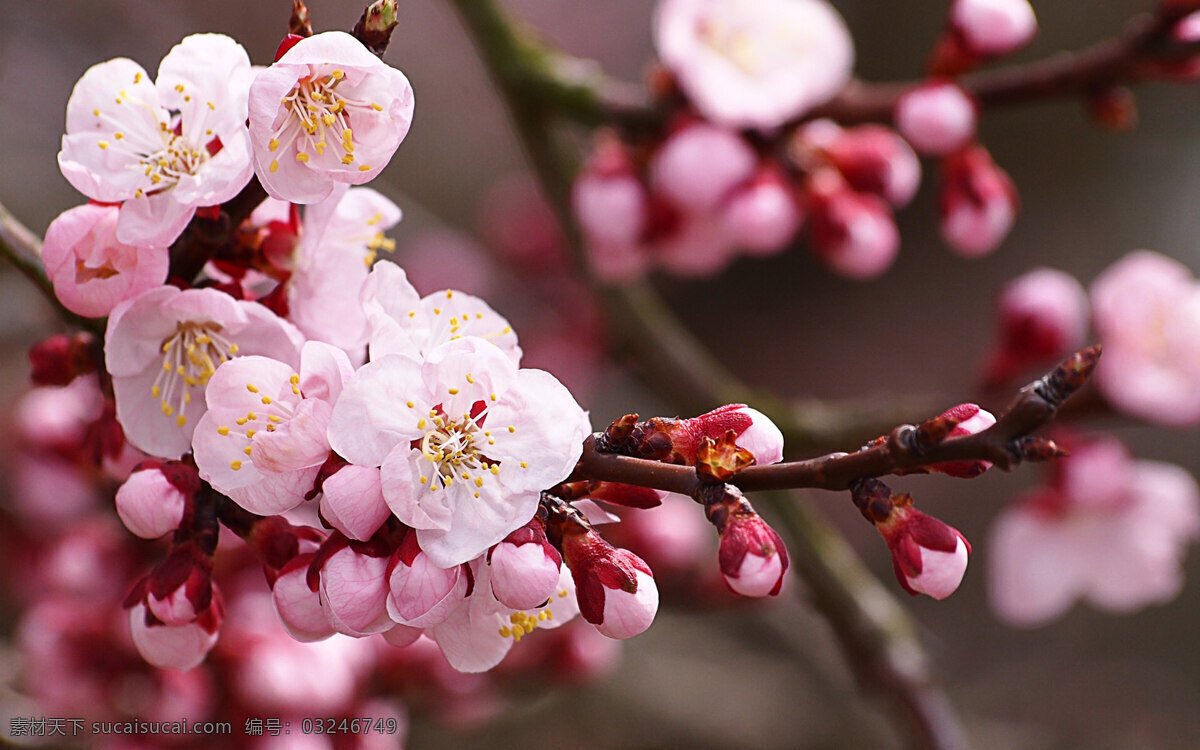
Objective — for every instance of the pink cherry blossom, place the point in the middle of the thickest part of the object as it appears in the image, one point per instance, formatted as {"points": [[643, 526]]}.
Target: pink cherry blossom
{"points": [[993, 27], [164, 147], [872, 159], [354, 591], [615, 588], [328, 111], [352, 501], [263, 438], [1146, 310], [1109, 530], [754, 63], [465, 442], [525, 567], [176, 646], [164, 345], [853, 233], [401, 322], [762, 217], [752, 556], [1042, 314], [698, 165], [420, 594], [971, 419], [937, 117], [479, 631], [91, 270], [339, 240], [299, 607], [977, 204], [928, 556], [149, 504]]}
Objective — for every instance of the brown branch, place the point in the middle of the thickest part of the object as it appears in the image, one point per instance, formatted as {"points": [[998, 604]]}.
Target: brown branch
{"points": [[1005, 444]]}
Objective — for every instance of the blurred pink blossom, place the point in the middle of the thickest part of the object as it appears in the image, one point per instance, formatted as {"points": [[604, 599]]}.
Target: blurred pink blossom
{"points": [[1042, 314], [754, 63], [936, 117], [1108, 529]]}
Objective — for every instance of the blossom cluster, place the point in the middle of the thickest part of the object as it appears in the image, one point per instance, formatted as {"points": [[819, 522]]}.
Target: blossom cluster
{"points": [[743, 167], [383, 453]]}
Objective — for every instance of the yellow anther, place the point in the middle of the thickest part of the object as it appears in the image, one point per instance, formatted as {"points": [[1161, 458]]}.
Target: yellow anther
{"points": [[376, 107], [410, 404], [251, 433], [179, 87], [235, 465], [180, 421], [302, 157], [212, 106], [251, 416], [266, 400], [96, 112], [470, 379], [364, 168], [251, 387], [167, 409], [492, 396], [424, 480], [222, 430], [494, 468], [247, 449], [453, 391], [512, 429], [274, 165], [102, 144], [505, 632], [155, 391], [347, 139], [337, 74], [241, 421], [118, 135], [421, 424], [272, 144], [524, 464], [478, 481], [274, 418], [348, 159], [233, 348]]}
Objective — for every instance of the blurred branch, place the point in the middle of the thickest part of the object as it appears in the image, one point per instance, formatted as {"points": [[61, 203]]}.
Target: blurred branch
{"points": [[24, 250], [875, 633], [1126, 58]]}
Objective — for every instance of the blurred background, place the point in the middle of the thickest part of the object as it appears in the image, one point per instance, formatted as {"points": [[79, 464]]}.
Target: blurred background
{"points": [[768, 675]]}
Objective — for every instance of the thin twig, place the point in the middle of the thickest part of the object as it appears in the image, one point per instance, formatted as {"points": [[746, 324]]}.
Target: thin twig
{"points": [[1002, 444]]}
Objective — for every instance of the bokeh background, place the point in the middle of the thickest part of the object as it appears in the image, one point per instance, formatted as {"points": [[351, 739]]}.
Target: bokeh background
{"points": [[768, 676]]}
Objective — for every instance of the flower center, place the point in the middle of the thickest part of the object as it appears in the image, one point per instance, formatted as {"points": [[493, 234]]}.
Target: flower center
{"points": [[190, 357], [452, 448], [320, 119]]}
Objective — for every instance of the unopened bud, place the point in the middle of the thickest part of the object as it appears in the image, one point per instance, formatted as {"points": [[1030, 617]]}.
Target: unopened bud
{"points": [[937, 118], [874, 159], [298, 606], [155, 497], [354, 590], [525, 568], [1042, 315], [375, 26], [699, 165], [176, 646], [752, 555], [970, 419], [615, 588], [59, 359], [989, 28], [762, 217], [853, 233], [420, 594], [978, 202], [929, 556]]}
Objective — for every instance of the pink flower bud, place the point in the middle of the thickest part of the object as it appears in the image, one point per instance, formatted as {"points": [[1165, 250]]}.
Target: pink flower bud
{"points": [[978, 203], [176, 646], [874, 159], [752, 556], [937, 118], [420, 594], [525, 568], [929, 556], [972, 420], [150, 504], [615, 588], [298, 606], [753, 431], [179, 589], [852, 233], [699, 165], [354, 592], [1042, 315], [993, 27], [608, 198], [762, 217], [352, 501]]}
